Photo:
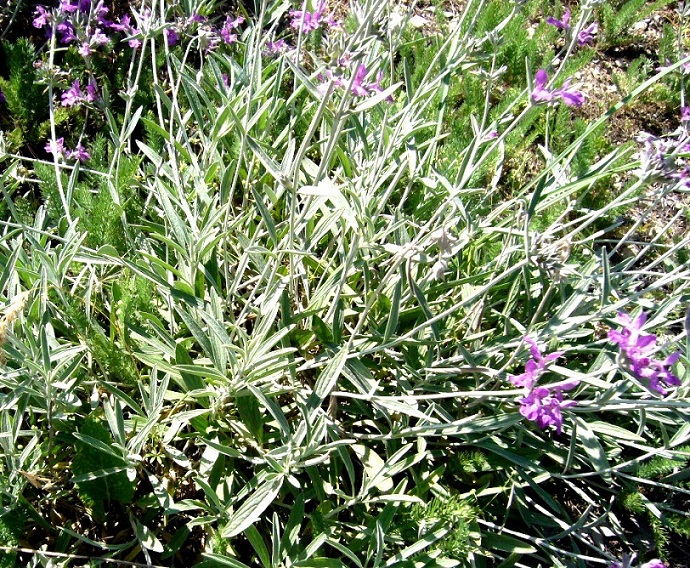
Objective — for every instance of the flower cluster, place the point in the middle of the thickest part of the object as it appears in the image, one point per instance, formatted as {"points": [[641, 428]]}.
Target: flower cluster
{"points": [[637, 349], [226, 32], [360, 87], [308, 22], [570, 96], [75, 96], [665, 158], [585, 36], [57, 148], [77, 21], [542, 404], [85, 23]]}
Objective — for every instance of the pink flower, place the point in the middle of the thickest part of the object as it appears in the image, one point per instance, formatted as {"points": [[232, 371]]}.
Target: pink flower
{"points": [[56, 147], [560, 24]]}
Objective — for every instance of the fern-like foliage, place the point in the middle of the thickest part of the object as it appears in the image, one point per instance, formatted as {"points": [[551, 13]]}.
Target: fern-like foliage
{"points": [[101, 489], [617, 17], [672, 525], [26, 103], [11, 527]]}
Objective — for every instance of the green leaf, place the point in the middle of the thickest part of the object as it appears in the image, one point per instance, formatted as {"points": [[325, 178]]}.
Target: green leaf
{"points": [[146, 538], [593, 449], [257, 542], [251, 510], [250, 414], [373, 465], [328, 378], [506, 544]]}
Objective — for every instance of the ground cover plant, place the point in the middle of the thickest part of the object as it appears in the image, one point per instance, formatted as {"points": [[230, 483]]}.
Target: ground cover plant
{"points": [[327, 284]]}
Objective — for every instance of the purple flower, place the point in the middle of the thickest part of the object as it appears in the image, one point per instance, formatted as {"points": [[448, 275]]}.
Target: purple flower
{"points": [[358, 88], [586, 35], [308, 21], [631, 340], [376, 87], [91, 91], [656, 563], [570, 97], [99, 38], [134, 42], [43, 17], [535, 366], [332, 23], [100, 10], [66, 7], [228, 26], [542, 404], [637, 351], [560, 24], [2, 97], [529, 377], [124, 25], [540, 93], [197, 18], [73, 96], [685, 113], [79, 153], [627, 562], [56, 147], [171, 36], [276, 47], [329, 77], [67, 31]]}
